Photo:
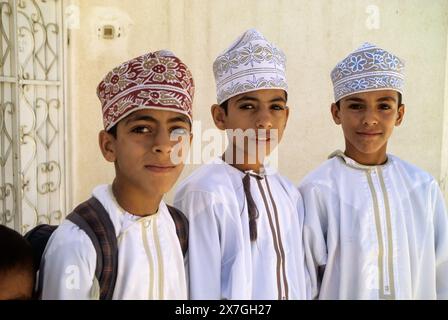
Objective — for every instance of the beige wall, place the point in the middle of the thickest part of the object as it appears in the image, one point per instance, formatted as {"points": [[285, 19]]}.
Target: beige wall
{"points": [[315, 35], [444, 160]]}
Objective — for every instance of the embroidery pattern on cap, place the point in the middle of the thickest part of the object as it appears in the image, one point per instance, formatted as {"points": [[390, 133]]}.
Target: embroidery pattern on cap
{"points": [[367, 68], [251, 63], [155, 80]]}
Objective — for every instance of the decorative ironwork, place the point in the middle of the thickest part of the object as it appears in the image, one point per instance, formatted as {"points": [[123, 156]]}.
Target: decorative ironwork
{"points": [[49, 186], [51, 131], [5, 16], [32, 129], [43, 58], [8, 192]]}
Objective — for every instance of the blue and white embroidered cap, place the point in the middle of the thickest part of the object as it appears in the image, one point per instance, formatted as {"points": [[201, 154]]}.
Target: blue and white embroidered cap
{"points": [[368, 68], [250, 63]]}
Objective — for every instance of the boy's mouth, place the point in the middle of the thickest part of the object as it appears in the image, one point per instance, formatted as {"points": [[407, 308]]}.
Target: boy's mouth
{"points": [[263, 137], [369, 133], [160, 168]]}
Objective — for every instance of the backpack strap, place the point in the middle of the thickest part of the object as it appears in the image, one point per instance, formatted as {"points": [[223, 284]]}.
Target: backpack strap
{"points": [[181, 222], [38, 238], [94, 220]]}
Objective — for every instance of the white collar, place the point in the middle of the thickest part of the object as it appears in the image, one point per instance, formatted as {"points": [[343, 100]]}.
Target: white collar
{"points": [[353, 164], [104, 194], [265, 170]]}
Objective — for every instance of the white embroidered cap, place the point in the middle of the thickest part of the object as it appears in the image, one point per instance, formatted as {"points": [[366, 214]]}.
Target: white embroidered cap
{"points": [[368, 68], [250, 63]]}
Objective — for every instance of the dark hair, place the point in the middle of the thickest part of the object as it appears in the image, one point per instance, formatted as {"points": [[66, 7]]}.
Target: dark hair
{"points": [[113, 131], [400, 101], [225, 104], [16, 253]]}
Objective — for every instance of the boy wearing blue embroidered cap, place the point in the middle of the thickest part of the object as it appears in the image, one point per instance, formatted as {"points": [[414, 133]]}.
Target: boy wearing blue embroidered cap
{"points": [[376, 227], [245, 239]]}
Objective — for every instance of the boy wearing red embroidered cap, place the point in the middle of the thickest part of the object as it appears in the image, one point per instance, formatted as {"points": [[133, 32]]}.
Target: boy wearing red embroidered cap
{"points": [[146, 106]]}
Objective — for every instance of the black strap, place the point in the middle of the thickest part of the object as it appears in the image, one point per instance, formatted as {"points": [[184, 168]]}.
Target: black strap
{"points": [[38, 238], [252, 209], [93, 219], [181, 222]]}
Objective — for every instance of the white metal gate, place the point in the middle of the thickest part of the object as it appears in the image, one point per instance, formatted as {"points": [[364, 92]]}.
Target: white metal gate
{"points": [[32, 113]]}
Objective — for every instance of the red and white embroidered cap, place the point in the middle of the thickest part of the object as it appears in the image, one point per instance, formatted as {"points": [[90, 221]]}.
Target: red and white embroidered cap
{"points": [[157, 80]]}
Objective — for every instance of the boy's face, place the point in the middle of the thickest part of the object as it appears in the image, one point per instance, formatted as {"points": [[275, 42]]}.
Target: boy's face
{"points": [[149, 150], [262, 109], [16, 285], [368, 120]]}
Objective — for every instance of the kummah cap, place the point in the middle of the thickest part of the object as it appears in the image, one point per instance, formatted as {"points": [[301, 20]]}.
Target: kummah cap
{"points": [[157, 80], [368, 68], [250, 63]]}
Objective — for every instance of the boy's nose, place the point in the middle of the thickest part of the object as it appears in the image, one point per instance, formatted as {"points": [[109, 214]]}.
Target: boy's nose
{"points": [[370, 118], [162, 143], [264, 120]]}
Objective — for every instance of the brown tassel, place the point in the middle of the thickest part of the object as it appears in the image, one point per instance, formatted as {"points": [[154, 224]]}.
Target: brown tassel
{"points": [[251, 208]]}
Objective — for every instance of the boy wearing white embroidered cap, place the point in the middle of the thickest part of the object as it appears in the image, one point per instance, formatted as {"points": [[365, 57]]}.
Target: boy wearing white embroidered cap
{"points": [[245, 219], [376, 227]]}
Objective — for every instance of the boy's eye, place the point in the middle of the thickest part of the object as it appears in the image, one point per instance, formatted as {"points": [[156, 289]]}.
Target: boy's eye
{"points": [[355, 106], [247, 106], [180, 132], [385, 106], [277, 107], [141, 129]]}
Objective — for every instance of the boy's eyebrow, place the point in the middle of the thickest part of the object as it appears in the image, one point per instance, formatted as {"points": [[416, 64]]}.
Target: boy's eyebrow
{"points": [[249, 98], [355, 99], [180, 118], [388, 98], [278, 99], [144, 117], [246, 98], [141, 117]]}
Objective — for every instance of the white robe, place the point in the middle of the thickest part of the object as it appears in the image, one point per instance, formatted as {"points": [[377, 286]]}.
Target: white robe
{"points": [[223, 262], [150, 260], [376, 232]]}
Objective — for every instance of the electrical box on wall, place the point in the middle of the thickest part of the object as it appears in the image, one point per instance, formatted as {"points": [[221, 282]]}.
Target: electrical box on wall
{"points": [[109, 31], [111, 23]]}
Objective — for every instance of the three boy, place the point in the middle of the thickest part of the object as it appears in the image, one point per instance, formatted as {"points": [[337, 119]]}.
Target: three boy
{"points": [[375, 227]]}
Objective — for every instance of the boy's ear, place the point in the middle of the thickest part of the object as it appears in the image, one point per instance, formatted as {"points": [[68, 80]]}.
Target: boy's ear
{"points": [[400, 115], [335, 113], [287, 116], [218, 115], [107, 145]]}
